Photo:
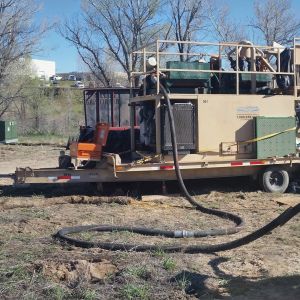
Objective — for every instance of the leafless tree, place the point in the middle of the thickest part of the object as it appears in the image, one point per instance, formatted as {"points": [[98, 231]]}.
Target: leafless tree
{"points": [[89, 49], [109, 31], [188, 18], [18, 39], [275, 21], [222, 25]]}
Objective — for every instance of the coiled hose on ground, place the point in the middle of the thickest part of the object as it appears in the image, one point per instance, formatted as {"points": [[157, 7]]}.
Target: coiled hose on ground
{"points": [[64, 233]]}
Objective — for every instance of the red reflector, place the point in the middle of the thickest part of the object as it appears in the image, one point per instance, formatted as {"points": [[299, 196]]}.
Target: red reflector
{"points": [[166, 167], [259, 162], [236, 163], [64, 177]]}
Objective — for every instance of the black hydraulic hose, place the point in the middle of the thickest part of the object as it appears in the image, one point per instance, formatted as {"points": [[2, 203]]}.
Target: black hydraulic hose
{"points": [[221, 214], [63, 235], [279, 221]]}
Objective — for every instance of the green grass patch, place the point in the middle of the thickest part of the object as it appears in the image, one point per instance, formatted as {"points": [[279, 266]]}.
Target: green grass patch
{"points": [[159, 253], [183, 282], [90, 295], [16, 273], [169, 264], [139, 272], [57, 292], [134, 291]]}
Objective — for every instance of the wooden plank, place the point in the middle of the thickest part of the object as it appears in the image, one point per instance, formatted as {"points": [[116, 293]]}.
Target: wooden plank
{"points": [[150, 198]]}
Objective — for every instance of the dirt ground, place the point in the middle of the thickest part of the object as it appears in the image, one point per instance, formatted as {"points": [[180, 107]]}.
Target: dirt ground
{"points": [[35, 266]]}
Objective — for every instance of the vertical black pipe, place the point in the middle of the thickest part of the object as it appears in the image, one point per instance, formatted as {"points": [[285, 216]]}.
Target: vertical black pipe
{"points": [[84, 107], [97, 107], [112, 96], [119, 94], [107, 99]]}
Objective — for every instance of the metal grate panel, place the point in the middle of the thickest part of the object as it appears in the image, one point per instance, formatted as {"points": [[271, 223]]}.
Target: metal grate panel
{"points": [[184, 117], [279, 145]]}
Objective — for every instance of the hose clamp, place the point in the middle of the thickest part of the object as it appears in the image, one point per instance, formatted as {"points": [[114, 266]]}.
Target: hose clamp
{"points": [[183, 234]]}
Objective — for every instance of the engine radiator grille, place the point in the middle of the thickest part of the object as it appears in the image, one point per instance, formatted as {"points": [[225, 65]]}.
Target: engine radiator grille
{"points": [[184, 118]]}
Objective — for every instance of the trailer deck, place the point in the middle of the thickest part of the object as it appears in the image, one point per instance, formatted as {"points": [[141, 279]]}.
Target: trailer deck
{"points": [[112, 170]]}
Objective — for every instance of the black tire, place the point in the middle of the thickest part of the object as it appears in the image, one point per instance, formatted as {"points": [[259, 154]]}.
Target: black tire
{"points": [[274, 180]]}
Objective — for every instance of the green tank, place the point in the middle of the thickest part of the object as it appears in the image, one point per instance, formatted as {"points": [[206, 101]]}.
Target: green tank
{"points": [[194, 65]]}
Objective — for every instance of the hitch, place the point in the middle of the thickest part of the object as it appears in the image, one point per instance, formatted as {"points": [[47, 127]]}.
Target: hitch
{"points": [[10, 175]]}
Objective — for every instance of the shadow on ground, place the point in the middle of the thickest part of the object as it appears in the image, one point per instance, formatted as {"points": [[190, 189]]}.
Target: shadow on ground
{"points": [[239, 287], [196, 187]]}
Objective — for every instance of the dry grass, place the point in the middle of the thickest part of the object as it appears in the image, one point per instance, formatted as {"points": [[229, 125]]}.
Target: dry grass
{"points": [[266, 269]]}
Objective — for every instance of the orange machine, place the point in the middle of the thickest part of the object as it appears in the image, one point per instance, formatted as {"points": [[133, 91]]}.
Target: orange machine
{"points": [[91, 151]]}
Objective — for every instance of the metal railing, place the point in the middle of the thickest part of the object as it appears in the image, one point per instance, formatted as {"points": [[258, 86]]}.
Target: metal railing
{"points": [[224, 50]]}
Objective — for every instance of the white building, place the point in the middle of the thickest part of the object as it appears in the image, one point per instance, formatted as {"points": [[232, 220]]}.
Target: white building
{"points": [[42, 69]]}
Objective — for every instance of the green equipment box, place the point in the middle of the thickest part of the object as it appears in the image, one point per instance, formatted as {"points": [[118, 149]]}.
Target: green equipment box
{"points": [[194, 65], [8, 132], [284, 140]]}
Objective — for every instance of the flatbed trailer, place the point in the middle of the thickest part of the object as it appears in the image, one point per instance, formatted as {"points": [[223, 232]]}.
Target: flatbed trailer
{"points": [[223, 137], [112, 170]]}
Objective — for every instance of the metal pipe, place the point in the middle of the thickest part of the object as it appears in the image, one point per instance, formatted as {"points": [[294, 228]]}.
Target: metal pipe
{"points": [[214, 44], [145, 70], [157, 67], [237, 71]]}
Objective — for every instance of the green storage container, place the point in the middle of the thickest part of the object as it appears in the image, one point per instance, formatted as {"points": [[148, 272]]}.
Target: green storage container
{"points": [[281, 144], [8, 132], [194, 65], [258, 77]]}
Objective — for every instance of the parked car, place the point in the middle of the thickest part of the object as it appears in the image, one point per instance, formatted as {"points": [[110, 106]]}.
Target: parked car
{"points": [[78, 84], [72, 78], [58, 78], [55, 78]]}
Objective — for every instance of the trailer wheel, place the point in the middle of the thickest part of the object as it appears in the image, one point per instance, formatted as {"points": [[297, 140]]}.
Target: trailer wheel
{"points": [[274, 179]]}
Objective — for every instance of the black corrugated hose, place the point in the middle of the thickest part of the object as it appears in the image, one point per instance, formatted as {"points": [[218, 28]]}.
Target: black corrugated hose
{"points": [[279, 221]]}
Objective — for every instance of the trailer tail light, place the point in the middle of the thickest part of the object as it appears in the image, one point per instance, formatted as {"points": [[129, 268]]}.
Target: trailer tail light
{"points": [[259, 162], [166, 167], [63, 177]]}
